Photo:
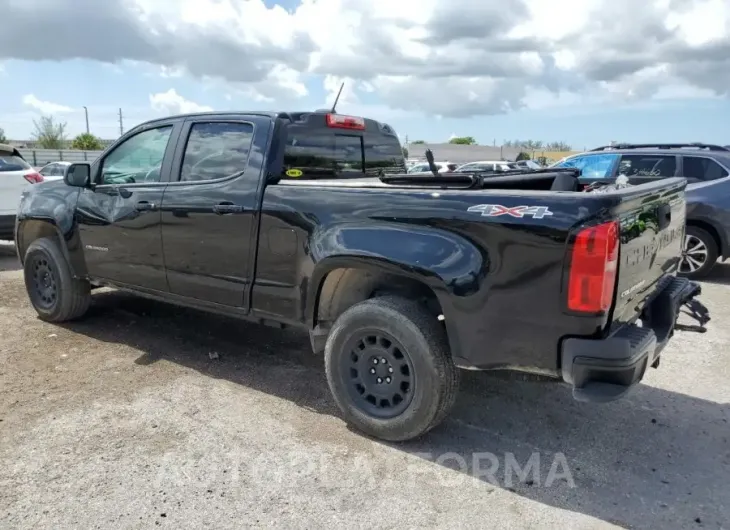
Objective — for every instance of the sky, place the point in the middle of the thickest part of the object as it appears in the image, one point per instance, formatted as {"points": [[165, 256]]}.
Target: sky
{"points": [[585, 72]]}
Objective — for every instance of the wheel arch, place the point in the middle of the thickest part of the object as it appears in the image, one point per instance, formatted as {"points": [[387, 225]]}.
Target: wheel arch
{"points": [[346, 282], [31, 229], [713, 231]]}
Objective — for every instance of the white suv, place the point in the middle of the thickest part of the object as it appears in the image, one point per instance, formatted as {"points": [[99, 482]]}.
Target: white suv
{"points": [[15, 175]]}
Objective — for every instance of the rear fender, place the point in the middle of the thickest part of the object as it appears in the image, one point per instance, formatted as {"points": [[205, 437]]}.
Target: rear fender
{"points": [[449, 264]]}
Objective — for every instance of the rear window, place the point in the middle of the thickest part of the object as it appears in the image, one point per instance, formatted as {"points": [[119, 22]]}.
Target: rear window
{"points": [[700, 168], [326, 154], [13, 163]]}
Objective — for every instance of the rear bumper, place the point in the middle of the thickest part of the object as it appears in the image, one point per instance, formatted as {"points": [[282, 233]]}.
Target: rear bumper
{"points": [[605, 370]]}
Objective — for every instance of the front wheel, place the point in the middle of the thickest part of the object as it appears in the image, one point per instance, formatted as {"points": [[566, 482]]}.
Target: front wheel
{"points": [[699, 253], [55, 294], [389, 369]]}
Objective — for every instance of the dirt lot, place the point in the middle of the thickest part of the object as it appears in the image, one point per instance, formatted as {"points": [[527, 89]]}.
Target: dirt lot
{"points": [[124, 420]]}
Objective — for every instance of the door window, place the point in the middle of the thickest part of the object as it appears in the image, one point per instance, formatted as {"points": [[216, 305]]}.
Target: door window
{"points": [[216, 150], [700, 168], [592, 166], [138, 159], [656, 166], [47, 171]]}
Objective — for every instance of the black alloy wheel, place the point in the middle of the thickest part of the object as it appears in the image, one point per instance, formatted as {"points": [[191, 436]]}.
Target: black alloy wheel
{"points": [[380, 374]]}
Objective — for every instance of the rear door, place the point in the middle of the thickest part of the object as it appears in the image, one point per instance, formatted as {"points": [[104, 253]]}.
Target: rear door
{"points": [[209, 210], [647, 167]]}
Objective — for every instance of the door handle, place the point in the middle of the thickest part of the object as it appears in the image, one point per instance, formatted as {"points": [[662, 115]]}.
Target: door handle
{"points": [[145, 206], [227, 207]]}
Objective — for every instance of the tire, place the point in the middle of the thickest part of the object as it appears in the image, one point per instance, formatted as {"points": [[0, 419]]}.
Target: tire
{"points": [[699, 248], [53, 291], [417, 367]]}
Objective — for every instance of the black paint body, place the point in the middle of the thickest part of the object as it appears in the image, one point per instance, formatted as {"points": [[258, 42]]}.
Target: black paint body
{"points": [[500, 281]]}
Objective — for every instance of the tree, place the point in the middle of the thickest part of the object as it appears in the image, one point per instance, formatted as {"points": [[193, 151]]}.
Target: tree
{"points": [[405, 152], [3, 138], [558, 146], [463, 140], [87, 142], [49, 134], [522, 156], [418, 142]]}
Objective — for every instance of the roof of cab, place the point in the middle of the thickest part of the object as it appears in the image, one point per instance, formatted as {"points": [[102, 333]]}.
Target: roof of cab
{"points": [[294, 115]]}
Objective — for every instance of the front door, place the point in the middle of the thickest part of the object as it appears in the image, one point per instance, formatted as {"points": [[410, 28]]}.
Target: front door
{"points": [[209, 210], [119, 217]]}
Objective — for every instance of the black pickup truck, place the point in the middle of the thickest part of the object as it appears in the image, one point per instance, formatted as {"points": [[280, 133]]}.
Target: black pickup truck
{"points": [[308, 220]]}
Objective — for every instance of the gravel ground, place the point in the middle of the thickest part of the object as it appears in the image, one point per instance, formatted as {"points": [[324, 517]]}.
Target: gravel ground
{"points": [[145, 414]]}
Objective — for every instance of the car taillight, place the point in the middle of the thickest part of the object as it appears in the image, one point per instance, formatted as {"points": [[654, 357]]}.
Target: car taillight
{"points": [[33, 178], [345, 122], [593, 268]]}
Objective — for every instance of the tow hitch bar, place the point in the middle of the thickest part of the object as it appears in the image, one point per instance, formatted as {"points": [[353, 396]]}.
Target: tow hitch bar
{"points": [[696, 310]]}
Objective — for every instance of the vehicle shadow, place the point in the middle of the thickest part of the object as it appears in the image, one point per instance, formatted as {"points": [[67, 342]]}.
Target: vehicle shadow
{"points": [[657, 459], [720, 274]]}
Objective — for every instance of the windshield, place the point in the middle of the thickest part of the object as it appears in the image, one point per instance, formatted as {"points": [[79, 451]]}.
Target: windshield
{"points": [[13, 163]]}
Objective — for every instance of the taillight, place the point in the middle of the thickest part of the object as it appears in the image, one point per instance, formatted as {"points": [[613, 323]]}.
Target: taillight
{"points": [[345, 122], [33, 178], [593, 268]]}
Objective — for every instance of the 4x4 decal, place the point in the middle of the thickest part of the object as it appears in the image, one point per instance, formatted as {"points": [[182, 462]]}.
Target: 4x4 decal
{"points": [[495, 210]]}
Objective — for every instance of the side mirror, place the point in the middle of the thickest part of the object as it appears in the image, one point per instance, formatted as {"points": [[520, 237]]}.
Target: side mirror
{"points": [[77, 175]]}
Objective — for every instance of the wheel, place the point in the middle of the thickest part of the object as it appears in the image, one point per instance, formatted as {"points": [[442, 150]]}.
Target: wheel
{"points": [[699, 253], [389, 368], [55, 294]]}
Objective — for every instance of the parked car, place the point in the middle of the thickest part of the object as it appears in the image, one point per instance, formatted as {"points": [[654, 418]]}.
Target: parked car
{"points": [[527, 164], [486, 166], [399, 279], [15, 175], [707, 169], [423, 167], [54, 170]]}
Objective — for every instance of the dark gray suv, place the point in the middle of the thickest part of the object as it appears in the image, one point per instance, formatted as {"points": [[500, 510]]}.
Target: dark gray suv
{"points": [[707, 169]]}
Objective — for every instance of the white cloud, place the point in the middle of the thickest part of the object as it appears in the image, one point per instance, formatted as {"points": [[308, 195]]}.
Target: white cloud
{"points": [[44, 107], [171, 102], [450, 58]]}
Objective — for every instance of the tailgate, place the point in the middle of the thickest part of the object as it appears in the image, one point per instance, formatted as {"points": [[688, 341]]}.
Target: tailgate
{"points": [[652, 231]]}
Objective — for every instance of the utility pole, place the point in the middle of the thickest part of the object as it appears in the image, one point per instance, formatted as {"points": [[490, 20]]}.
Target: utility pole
{"points": [[121, 123], [86, 112]]}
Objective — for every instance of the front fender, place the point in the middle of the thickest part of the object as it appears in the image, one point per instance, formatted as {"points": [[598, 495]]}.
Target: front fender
{"points": [[450, 264], [48, 211]]}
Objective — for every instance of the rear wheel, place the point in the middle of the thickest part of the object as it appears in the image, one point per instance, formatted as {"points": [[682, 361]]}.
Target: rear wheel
{"points": [[389, 369], [55, 294], [699, 253]]}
